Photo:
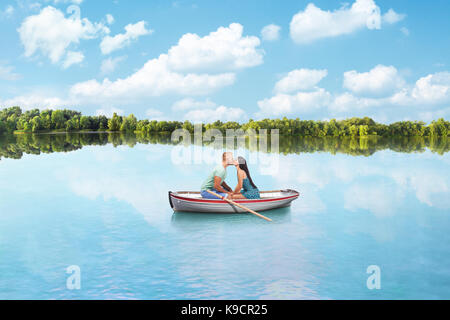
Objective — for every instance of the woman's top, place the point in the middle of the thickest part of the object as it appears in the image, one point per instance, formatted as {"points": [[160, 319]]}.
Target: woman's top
{"points": [[249, 191]]}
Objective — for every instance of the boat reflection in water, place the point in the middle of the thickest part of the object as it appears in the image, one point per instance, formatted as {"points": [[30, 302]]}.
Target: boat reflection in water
{"points": [[204, 220]]}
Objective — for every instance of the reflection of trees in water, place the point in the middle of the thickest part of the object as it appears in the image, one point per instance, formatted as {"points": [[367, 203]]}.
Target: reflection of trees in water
{"points": [[14, 146]]}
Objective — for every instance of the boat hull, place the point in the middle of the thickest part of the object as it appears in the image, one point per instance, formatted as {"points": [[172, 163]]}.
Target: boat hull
{"points": [[192, 202]]}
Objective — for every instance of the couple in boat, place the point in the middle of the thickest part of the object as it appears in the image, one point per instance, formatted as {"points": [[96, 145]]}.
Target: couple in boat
{"points": [[215, 182]]}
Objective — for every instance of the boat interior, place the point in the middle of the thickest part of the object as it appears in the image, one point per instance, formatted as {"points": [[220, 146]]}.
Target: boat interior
{"points": [[264, 194]]}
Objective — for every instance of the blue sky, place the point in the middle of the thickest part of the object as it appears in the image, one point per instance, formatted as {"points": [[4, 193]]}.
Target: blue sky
{"points": [[228, 60]]}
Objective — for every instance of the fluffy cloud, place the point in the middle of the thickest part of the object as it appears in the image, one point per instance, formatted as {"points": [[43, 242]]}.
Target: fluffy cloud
{"points": [[223, 50], [380, 93], [173, 73], [51, 33], [427, 93], [34, 101], [109, 112], [206, 111], [154, 114], [434, 88], [65, 1], [189, 103], [119, 41], [380, 81], [109, 65], [348, 103], [221, 113], [226, 47], [300, 79], [109, 19], [392, 17], [314, 23], [153, 79], [286, 102], [301, 102], [72, 58], [270, 32]]}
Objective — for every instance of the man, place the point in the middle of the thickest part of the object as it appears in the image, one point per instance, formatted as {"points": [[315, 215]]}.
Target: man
{"points": [[216, 179]]}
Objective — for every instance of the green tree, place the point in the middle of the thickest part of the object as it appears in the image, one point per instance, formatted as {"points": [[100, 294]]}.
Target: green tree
{"points": [[36, 124], [129, 124], [85, 123], [353, 130], [363, 130], [115, 122], [58, 119]]}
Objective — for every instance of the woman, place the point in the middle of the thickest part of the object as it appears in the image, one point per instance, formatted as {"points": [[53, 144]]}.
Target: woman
{"points": [[245, 188]]}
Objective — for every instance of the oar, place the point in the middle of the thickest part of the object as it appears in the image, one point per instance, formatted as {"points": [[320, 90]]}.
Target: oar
{"points": [[239, 205]]}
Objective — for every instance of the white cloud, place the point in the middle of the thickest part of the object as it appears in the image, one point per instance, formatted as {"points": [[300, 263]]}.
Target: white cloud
{"points": [[421, 100], [223, 50], [380, 81], [109, 19], [405, 31], [167, 74], [392, 17], [153, 79], [207, 111], [221, 113], [7, 73], [189, 103], [300, 79], [301, 102], [314, 23], [109, 65], [34, 101], [159, 76], [154, 114], [434, 88], [109, 112], [119, 41], [428, 91], [72, 58], [270, 32], [51, 33], [284, 102], [346, 102], [430, 115], [65, 1], [380, 93]]}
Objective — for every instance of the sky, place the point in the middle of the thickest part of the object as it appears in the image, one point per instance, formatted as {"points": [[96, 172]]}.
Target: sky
{"points": [[231, 60]]}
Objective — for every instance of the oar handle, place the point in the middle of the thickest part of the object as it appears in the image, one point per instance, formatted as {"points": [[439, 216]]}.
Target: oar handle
{"points": [[239, 205]]}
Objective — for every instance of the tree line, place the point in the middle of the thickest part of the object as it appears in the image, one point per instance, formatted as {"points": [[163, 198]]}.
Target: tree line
{"points": [[14, 119]]}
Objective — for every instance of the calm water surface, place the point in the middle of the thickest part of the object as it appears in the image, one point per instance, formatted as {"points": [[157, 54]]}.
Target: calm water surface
{"points": [[106, 210]]}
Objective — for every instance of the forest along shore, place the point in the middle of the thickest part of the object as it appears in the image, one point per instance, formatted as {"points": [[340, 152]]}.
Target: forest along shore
{"points": [[14, 120]]}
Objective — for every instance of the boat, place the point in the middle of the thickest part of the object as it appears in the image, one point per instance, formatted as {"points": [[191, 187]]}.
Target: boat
{"points": [[191, 201]]}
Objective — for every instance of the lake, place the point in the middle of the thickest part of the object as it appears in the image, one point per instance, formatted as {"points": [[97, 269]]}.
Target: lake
{"points": [[99, 202]]}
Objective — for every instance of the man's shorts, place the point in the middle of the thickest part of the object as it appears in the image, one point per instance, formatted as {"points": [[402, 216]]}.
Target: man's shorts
{"points": [[208, 195]]}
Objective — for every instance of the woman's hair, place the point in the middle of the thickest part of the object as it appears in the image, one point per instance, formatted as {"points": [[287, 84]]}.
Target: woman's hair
{"points": [[243, 166]]}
